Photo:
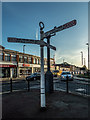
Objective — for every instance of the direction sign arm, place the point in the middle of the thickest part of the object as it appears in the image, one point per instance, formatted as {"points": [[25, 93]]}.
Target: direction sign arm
{"points": [[30, 41], [57, 29], [21, 40]]}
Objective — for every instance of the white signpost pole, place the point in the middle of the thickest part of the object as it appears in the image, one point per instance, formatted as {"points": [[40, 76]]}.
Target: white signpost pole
{"points": [[42, 85]]}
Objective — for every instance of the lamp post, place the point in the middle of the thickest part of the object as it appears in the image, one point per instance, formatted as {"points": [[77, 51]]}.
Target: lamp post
{"points": [[23, 56], [88, 55], [54, 60], [23, 49], [82, 57], [84, 62]]}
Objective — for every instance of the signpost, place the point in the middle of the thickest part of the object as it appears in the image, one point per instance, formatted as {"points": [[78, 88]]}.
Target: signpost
{"points": [[42, 44]]}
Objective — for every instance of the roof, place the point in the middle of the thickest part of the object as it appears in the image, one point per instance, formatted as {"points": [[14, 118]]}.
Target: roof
{"points": [[65, 64], [1, 47], [20, 53]]}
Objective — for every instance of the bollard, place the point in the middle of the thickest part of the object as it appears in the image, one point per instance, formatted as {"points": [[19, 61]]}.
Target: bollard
{"points": [[67, 84], [11, 85], [28, 86]]}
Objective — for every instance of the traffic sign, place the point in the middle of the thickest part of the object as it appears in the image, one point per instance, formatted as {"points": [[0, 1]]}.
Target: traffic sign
{"points": [[39, 42], [57, 29]]}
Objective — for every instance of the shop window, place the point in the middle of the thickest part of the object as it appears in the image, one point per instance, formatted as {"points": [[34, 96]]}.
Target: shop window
{"points": [[7, 57], [21, 71], [21, 59], [1, 56], [29, 60], [13, 57], [5, 72]]}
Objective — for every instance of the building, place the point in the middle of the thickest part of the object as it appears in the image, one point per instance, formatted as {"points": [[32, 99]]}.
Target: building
{"points": [[68, 67], [64, 66], [17, 64]]}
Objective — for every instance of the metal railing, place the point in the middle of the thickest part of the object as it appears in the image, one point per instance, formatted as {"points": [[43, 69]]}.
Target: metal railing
{"points": [[76, 86]]}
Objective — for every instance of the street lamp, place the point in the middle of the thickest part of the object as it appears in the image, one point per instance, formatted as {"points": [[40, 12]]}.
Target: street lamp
{"points": [[82, 57], [84, 62], [23, 49], [23, 56], [88, 55]]}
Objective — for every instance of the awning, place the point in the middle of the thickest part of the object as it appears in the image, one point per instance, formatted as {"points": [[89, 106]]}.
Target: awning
{"points": [[10, 66]]}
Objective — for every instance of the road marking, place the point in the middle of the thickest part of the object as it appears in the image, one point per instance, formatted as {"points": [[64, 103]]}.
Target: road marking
{"points": [[80, 89]]}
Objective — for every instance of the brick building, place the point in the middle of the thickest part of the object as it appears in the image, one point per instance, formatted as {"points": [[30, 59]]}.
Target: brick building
{"points": [[17, 64]]}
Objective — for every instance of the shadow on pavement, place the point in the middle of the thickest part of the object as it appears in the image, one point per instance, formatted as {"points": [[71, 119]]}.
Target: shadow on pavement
{"points": [[59, 104]]}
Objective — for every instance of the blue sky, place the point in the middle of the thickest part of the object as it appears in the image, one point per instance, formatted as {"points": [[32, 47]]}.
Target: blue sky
{"points": [[21, 19]]}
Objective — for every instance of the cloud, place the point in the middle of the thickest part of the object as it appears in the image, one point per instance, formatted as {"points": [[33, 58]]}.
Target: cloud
{"points": [[37, 34], [72, 57]]}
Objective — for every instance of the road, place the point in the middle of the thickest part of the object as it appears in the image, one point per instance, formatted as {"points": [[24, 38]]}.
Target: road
{"points": [[75, 86]]}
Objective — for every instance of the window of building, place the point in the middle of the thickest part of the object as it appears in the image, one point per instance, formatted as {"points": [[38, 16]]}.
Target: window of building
{"points": [[21, 59], [34, 60], [7, 57], [45, 62], [13, 57], [25, 59], [1, 56], [29, 60], [38, 61], [51, 62]]}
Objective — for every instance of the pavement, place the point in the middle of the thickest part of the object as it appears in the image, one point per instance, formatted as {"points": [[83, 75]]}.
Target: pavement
{"points": [[62, 105]]}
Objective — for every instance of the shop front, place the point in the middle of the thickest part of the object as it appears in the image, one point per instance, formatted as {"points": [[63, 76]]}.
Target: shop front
{"points": [[28, 69], [24, 70], [5, 70]]}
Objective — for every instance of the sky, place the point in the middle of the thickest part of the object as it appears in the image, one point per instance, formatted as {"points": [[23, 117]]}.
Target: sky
{"points": [[21, 19]]}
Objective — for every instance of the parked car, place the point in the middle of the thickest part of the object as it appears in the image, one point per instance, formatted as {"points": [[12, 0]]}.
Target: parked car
{"points": [[55, 73], [64, 75], [34, 76]]}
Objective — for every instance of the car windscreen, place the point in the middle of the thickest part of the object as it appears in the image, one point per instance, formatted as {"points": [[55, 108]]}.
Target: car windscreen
{"points": [[55, 71], [65, 73]]}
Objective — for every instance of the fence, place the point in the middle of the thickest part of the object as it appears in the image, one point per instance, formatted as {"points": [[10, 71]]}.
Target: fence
{"points": [[19, 85], [75, 86]]}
